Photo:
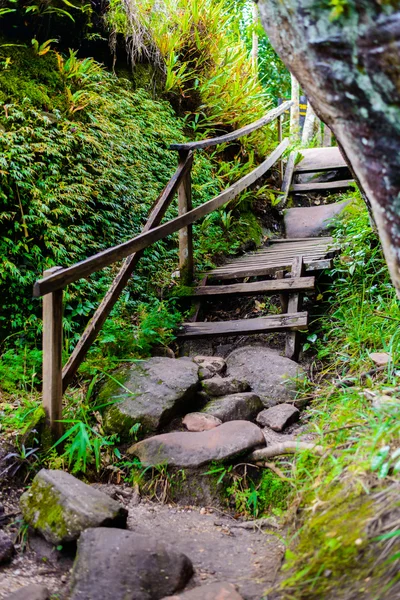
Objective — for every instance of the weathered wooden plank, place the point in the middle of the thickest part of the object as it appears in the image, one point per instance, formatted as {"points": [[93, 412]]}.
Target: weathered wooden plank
{"points": [[107, 257], [259, 287], [245, 326], [320, 159], [186, 264], [97, 321], [295, 240], [52, 357], [292, 337], [287, 179], [311, 266], [328, 185], [235, 135], [266, 258]]}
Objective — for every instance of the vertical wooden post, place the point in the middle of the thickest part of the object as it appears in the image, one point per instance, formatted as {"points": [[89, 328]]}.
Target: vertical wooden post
{"points": [[186, 233], [294, 305], [280, 138], [283, 297], [52, 356]]}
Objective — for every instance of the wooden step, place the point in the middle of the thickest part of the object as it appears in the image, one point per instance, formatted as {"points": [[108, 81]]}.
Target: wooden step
{"points": [[320, 159], [259, 287], [293, 322], [270, 269], [328, 185]]}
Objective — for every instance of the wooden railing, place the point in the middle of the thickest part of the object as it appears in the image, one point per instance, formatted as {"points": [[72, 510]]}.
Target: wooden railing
{"points": [[55, 378]]}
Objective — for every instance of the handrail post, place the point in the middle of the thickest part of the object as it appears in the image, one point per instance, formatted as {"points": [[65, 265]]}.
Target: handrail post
{"points": [[186, 266], [280, 138], [52, 356]]}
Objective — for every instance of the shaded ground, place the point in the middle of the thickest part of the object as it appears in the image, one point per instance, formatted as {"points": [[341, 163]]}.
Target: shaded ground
{"points": [[219, 549]]}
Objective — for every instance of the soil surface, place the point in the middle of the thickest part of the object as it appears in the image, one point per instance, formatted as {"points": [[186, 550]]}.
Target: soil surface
{"points": [[220, 548]]}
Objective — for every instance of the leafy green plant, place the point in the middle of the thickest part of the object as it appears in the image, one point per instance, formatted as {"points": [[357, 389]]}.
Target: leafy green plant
{"points": [[42, 49]]}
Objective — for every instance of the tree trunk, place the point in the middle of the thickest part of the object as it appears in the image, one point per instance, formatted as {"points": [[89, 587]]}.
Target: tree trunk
{"points": [[309, 126], [295, 110], [349, 68]]}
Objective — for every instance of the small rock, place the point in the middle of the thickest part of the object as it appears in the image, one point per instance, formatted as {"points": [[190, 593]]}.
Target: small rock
{"points": [[187, 449], [113, 564], [212, 591], [235, 407], [30, 592], [278, 417], [380, 358], [222, 386], [214, 364], [203, 511], [269, 374], [60, 507], [6, 548], [205, 373], [200, 422]]}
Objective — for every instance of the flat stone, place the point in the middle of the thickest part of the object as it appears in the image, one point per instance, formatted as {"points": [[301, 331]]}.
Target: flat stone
{"points": [[222, 386], [187, 449], [205, 373], [113, 564], [60, 507], [278, 417], [200, 422], [215, 364], [235, 407], [380, 358], [151, 393], [269, 374], [6, 548], [313, 220], [212, 591], [30, 592]]}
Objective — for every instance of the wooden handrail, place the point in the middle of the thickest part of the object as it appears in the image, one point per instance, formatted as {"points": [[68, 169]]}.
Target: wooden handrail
{"points": [[86, 267], [97, 321], [235, 135]]}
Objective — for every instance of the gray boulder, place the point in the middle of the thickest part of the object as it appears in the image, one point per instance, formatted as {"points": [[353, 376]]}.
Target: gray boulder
{"points": [[60, 507], [151, 393], [278, 417], [187, 449], [212, 591], [30, 592], [235, 407], [113, 564], [269, 374], [6, 548], [222, 386]]}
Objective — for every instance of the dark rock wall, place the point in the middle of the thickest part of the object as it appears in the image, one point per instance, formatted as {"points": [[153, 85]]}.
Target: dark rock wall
{"points": [[349, 66]]}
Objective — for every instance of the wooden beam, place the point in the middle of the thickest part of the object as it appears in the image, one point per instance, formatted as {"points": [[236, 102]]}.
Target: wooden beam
{"points": [[186, 264], [245, 326], [52, 357], [259, 287], [97, 321], [235, 135], [280, 276], [326, 186], [287, 179], [311, 266], [294, 305], [107, 257]]}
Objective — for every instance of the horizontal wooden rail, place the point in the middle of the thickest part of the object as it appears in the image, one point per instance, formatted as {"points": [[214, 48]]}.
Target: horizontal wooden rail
{"points": [[105, 258], [235, 135], [97, 321]]}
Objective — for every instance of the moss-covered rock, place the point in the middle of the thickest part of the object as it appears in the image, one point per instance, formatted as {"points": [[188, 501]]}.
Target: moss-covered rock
{"points": [[60, 507], [149, 393]]}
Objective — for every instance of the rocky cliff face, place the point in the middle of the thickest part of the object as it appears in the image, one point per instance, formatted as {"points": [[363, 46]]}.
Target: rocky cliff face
{"points": [[349, 66]]}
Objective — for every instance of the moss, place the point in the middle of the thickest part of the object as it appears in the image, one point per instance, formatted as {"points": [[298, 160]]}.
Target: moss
{"points": [[41, 509], [116, 421], [329, 542]]}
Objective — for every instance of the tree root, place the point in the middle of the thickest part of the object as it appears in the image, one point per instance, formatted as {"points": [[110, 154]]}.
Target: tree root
{"points": [[285, 448]]}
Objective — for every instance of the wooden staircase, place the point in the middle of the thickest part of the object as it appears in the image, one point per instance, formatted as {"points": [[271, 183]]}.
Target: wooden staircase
{"points": [[281, 267]]}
